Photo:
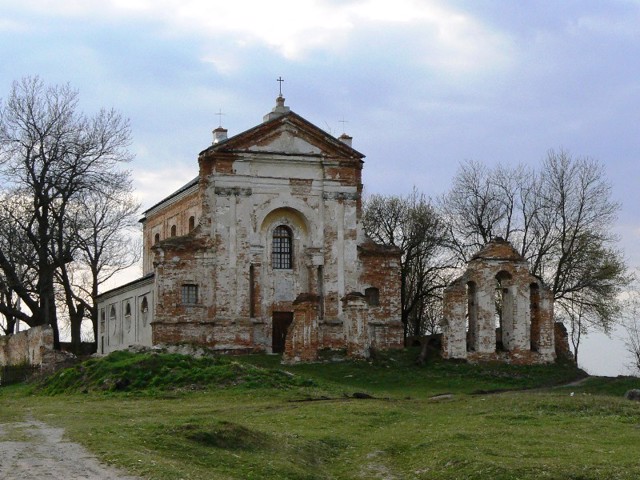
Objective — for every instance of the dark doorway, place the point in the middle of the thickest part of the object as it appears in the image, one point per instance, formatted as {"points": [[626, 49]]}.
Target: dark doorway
{"points": [[281, 322]]}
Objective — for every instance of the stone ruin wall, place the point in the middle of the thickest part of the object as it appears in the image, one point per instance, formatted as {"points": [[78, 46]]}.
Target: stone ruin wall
{"points": [[30, 347], [526, 332]]}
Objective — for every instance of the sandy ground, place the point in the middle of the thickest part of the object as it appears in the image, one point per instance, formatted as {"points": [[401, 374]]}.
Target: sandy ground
{"points": [[33, 450]]}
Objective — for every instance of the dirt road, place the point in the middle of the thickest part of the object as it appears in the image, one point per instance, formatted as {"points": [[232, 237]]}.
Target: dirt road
{"points": [[33, 450]]}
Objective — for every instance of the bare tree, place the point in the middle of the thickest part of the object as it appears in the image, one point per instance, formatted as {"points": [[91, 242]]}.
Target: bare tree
{"points": [[559, 218], [475, 209], [103, 228], [412, 224], [51, 155], [631, 325]]}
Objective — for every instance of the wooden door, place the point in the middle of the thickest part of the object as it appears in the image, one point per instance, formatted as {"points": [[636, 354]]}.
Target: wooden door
{"points": [[281, 322]]}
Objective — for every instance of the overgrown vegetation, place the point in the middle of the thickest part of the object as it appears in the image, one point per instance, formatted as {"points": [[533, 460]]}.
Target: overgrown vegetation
{"points": [[251, 418], [151, 372]]}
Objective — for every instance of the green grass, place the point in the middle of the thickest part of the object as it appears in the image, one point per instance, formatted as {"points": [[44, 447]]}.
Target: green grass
{"points": [[153, 372], [239, 428]]}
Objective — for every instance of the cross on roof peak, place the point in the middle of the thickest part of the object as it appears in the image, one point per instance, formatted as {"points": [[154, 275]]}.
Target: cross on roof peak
{"points": [[343, 122], [280, 80], [219, 115]]}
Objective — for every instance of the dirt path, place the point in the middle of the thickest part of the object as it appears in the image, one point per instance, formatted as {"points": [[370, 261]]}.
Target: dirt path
{"points": [[34, 450]]}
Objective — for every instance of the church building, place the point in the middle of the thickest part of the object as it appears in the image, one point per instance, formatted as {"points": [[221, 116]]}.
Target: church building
{"points": [[263, 252]]}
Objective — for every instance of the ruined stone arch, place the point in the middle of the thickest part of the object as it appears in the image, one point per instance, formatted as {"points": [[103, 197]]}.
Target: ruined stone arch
{"points": [[499, 309]]}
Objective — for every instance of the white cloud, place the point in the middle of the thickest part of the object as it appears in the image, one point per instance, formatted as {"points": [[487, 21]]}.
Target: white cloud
{"points": [[452, 39], [151, 186]]}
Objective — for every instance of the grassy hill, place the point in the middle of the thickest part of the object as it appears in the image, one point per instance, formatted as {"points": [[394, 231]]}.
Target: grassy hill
{"points": [[165, 416]]}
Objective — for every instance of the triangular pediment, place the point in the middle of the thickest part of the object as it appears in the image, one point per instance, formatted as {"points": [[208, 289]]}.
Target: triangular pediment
{"points": [[288, 134]]}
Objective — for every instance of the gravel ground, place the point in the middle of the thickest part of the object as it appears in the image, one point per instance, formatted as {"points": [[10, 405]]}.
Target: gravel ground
{"points": [[33, 450]]}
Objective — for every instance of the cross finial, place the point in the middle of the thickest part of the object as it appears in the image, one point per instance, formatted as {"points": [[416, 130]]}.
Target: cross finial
{"points": [[280, 80], [220, 114], [343, 121]]}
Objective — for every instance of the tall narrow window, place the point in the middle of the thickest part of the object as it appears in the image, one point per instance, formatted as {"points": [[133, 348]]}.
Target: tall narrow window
{"points": [[472, 317], [173, 230], [252, 291], [127, 316], [112, 319], [144, 311], [189, 293], [534, 307], [192, 222], [282, 248], [321, 291], [156, 239]]}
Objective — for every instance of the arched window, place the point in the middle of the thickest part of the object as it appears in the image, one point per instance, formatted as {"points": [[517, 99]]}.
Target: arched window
{"points": [[112, 318], [192, 222], [173, 230], [156, 239], [127, 316], [144, 309], [282, 255]]}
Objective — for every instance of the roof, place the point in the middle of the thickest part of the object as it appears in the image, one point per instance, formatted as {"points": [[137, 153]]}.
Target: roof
{"points": [[238, 142], [148, 278], [277, 117], [182, 189], [498, 249]]}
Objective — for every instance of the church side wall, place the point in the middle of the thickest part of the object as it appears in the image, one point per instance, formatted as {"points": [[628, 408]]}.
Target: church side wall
{"points": [[160, 223], [125, 317]]}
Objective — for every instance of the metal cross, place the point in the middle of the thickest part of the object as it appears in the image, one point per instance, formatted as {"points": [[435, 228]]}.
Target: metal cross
{"points": [[280, 80], [220, 114]]}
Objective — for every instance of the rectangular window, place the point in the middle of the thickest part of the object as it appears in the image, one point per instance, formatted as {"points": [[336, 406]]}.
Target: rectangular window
{"points": [[189, 294]]}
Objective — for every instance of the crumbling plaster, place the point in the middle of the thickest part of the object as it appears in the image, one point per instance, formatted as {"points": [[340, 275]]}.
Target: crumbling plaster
{"points": [[284, 172], [497, 310]]}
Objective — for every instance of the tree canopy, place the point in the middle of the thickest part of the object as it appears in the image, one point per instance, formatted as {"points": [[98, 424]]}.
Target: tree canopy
{"points": [[54, 163]]}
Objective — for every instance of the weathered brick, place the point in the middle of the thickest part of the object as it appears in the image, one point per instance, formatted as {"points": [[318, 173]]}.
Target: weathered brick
{"points": [[521, 332], [282, 175]]}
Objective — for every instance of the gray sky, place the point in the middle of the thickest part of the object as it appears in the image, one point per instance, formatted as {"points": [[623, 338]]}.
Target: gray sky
{"points": [[422, 85]]}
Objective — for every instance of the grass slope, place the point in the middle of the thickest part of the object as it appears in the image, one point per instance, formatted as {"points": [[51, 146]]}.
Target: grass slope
{"points": [[253, 419]]}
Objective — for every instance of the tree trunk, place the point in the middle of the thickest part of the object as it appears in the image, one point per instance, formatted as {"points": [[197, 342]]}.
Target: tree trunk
{"points": [[75, 319]]}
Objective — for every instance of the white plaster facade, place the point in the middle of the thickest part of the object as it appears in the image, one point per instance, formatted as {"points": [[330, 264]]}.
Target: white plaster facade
{"points": [[125, 314]]}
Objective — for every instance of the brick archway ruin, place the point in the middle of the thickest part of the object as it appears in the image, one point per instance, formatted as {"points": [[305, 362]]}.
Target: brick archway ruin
{"points": [[498, 310]]}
